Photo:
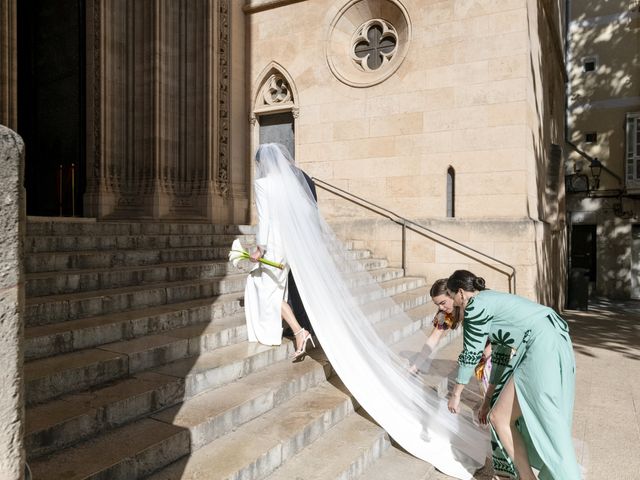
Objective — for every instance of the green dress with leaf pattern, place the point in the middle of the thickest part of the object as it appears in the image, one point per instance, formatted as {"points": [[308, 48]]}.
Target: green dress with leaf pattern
{"points": [[530, 342]]}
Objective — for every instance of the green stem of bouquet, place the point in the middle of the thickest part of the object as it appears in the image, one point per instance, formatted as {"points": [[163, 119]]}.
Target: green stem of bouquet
{"points": [[273, 264], [261, 260]]}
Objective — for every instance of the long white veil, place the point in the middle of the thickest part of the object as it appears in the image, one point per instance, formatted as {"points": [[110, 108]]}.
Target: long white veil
{"points": [[327, 280]]}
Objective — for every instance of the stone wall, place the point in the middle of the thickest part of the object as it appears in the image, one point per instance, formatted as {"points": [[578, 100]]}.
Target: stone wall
{"points": [[12, 218], [545, 142], [463, 91]]}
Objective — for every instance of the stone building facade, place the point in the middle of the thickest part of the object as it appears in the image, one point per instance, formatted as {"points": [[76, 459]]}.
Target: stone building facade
{"points": [[464, 109], [603, 123], [446, 112]]}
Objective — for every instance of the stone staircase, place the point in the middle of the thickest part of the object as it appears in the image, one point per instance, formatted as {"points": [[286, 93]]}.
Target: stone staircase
{"points": [[137, 364]]}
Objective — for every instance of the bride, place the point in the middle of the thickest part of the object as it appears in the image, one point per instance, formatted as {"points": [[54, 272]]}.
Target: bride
{"points": [[264, 293], [330, 285]]}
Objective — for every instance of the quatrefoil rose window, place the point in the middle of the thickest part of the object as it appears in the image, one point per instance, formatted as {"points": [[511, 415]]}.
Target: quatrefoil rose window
{"points": [[367, 41], [374, 44]]}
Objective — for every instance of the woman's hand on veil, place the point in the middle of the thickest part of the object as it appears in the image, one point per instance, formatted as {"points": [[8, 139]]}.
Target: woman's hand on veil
{"points": [[454, 402], [483, 412], [454, 398]]}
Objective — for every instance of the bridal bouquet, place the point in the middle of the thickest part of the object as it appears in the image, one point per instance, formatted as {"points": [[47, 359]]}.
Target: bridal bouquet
{"points": [[238, 252]]}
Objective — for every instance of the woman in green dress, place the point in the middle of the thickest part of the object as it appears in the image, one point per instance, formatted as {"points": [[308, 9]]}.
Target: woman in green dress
{"points": [[529, 402]]}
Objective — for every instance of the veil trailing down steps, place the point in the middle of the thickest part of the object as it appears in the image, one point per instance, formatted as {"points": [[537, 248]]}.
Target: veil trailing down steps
{"points": [[330, 284]]}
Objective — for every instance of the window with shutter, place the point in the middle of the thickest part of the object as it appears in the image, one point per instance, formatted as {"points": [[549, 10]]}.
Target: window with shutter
{"points": [[633, 150]]}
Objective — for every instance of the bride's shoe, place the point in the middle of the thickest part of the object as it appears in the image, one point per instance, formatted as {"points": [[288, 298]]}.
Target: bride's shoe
{"points": [[303, 349]]}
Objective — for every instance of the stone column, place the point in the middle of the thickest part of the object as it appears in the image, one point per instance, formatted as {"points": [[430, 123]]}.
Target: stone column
{"points": [[158, 83], [8, 64], [98, 198], [12, 222]]}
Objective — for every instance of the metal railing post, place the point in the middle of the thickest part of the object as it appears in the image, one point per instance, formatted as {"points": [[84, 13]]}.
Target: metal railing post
{"points": [[404, 247]]}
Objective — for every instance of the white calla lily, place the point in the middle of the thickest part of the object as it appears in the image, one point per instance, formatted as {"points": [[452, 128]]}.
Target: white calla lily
{"points": [[237, 252]]}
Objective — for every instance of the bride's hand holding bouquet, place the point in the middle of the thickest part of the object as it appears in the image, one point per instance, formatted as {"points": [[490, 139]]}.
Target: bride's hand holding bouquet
{"points": [[238, 252]]}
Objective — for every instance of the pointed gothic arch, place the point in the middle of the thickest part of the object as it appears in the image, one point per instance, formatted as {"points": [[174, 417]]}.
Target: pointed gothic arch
{"points": [[275, 107], [275, 90]]}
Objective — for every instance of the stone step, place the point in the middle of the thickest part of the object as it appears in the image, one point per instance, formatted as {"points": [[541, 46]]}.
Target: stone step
{"points": [[72, 418], [396, 463], [178, 347], [60, 308], [213, 414], [53, 262], [76, 417], [127, 408], [75, 281], [209, 370], [352, 446], [51, 377], [224, 365], [73, 243], [394, 329], [49, 309], [397, 297], [75, 227], [386, 308], [260, 446], [48, 378], [373, 291], [86, 279], [377, 275], [64, 337], [104, 259], [130, 452], [374, 263]]}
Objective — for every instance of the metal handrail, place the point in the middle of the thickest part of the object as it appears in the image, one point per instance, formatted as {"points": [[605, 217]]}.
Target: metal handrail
{"points": [[420, 230]]}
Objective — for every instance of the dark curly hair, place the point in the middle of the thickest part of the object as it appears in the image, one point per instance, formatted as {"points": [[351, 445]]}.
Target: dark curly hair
{"points": [[465, 280]]}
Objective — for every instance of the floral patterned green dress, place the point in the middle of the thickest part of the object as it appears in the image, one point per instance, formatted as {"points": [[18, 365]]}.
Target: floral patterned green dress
{"points": [[531, 344]]}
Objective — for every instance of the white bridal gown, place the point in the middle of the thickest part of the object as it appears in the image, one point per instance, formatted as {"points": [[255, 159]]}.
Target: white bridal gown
{"points": [[349, 311], [266, 285]]}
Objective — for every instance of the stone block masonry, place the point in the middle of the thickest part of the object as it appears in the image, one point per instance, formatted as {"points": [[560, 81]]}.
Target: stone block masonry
{"points": [[12, 220]]}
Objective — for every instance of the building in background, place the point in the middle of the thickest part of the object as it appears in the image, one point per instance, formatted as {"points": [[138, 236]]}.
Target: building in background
{"points": [[603, 170]]}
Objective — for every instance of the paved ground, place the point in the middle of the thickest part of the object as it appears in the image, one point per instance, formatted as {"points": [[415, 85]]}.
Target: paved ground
{"points": [[606, 340], [606, 418]]}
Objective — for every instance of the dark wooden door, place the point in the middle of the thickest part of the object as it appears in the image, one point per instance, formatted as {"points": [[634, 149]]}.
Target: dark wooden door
{"points": [[278, 128]]}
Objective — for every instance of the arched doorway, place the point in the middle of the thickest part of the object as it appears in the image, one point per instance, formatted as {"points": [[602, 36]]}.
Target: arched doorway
{"points": [[51, 104], [275, 110]]}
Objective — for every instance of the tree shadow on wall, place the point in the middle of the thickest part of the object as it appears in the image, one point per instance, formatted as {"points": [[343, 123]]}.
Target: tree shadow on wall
{"points": [[611, 79]]}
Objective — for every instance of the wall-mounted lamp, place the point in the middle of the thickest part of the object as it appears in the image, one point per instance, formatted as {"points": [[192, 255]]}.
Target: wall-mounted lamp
{"points": [[596, 170]]}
